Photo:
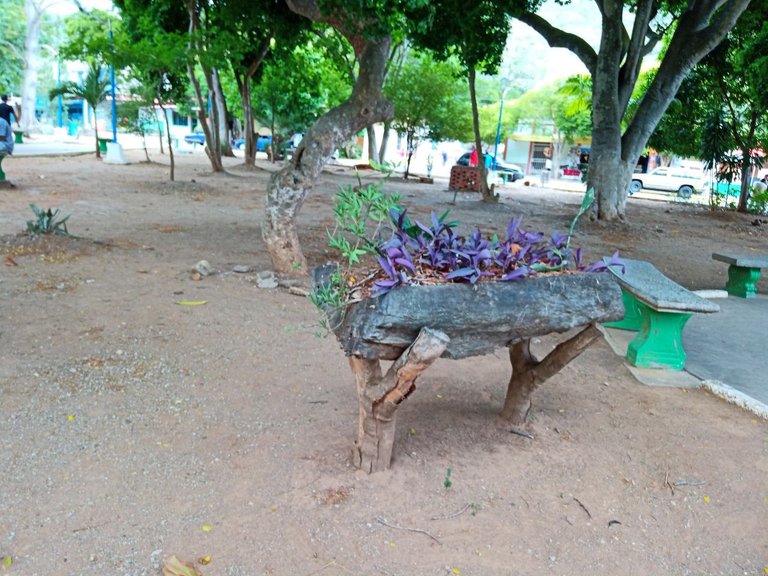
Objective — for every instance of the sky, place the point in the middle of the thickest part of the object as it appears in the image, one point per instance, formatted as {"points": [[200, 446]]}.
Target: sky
{"points": [[66, 7], [528, 55]]}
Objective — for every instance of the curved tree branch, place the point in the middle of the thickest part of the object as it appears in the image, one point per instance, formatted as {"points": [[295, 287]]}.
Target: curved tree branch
{"points": [[558, 38], [697, 34]]}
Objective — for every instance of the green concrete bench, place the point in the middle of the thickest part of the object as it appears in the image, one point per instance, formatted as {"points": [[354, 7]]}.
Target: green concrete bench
{"points": [[743, 273], [18, 137], [657, 308]]}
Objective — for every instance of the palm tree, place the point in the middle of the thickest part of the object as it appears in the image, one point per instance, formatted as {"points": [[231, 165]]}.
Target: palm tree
{"points": [[94, 89]]}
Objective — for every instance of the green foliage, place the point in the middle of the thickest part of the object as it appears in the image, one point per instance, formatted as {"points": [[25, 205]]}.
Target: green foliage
{"points": [[297, 87], [429, 100], [12, 45], [88, 39], [475, 32], [561, 112], [47, 222], [359, 212], [758, 202]]}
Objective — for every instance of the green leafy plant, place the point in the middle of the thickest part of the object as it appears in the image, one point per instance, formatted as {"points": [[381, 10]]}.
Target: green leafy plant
{"points": [[447, 483], [758, 202], [47, 222], [360, 211]]}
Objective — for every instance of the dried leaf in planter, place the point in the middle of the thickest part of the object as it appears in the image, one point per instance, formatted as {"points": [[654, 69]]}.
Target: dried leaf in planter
{"points": [[191, 302], [175, 567]]}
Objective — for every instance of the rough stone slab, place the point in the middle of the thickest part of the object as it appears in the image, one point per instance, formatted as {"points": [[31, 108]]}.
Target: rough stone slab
{"points": [[742, 260], [643, 281], [478, 319]]}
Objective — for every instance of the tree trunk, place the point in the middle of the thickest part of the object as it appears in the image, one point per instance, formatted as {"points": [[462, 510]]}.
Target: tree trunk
{"points": [[32, 63], [485, 191], [528, 373], [96, 133], [225, 142], [700, 28], [170, 146], [380, 397], [289, 187], [373, 151], [211, 137], [244, 87], [384, 141]]}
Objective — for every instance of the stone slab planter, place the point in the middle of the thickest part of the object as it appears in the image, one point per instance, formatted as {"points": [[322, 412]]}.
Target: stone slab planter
{"points": [[415, 325]]}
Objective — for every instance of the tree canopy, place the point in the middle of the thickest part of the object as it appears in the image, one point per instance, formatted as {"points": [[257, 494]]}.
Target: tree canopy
{"points": [[693, 29]]}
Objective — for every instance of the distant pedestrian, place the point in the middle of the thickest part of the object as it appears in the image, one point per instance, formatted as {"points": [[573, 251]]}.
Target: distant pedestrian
{"points": [[761, 185], [6, 110], [6, 138]]}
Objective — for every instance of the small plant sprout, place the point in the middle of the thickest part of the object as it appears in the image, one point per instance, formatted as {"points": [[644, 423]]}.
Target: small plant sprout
{"points": [[47, 222], [447, 480]]}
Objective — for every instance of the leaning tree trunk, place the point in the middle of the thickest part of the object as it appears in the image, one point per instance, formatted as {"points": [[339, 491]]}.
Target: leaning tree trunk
{"points": [[289, 187]]}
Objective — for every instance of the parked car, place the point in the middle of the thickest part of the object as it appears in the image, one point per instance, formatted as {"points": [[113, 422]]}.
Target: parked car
{"points": [[262, 143], [198, 137], [681, 180], [512, 172]]}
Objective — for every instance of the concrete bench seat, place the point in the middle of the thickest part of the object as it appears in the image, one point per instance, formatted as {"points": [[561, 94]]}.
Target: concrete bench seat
{"points": [[657, 308], [743, 272]]}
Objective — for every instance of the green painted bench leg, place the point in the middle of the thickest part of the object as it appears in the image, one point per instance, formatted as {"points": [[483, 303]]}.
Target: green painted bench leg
{"points": [[742, 281], [2, 174], [633, 319], [659, 343], [18, 137]]}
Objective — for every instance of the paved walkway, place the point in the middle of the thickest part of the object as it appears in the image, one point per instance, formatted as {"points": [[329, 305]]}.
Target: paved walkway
{"points": [[725, 353], [730, 346]]}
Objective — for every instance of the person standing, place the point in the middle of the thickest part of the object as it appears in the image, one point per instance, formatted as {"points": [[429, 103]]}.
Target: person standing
{"points": [[473, 157], [6, 110], [6, 138]]}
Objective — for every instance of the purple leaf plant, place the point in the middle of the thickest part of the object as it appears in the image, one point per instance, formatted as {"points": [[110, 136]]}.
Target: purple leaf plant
{"points": [[416, 252]]}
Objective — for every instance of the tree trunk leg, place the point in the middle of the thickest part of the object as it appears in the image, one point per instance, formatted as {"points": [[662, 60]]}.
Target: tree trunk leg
{"points": [[379, 397], [522, 383], [528, 373]]}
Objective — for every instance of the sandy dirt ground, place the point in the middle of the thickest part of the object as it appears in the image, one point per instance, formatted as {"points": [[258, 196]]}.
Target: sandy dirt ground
{"points": [[134, 428]]}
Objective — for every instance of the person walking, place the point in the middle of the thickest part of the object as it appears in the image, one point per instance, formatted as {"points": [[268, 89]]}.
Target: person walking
{"points": [[6, 110]]}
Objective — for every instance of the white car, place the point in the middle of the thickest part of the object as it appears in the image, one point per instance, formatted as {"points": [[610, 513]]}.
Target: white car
{"points": [[681, 180]]}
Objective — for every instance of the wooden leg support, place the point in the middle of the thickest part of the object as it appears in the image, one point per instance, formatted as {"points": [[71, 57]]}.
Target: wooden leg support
{"points": [[528, 373], [380, 396], [742, 281], [659, 343]]}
